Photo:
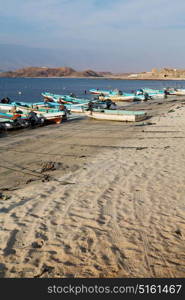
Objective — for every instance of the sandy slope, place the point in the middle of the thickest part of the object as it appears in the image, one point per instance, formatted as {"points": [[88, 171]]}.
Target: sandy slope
{"points": [[121, 214]]}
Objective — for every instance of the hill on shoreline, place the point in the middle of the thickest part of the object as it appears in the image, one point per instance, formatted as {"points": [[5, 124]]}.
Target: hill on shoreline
{"points": [[154, 74], [50, 72]]}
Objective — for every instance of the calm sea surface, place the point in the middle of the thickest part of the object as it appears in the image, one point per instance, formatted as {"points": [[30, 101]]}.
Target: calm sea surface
{"points": [[30, 89]]}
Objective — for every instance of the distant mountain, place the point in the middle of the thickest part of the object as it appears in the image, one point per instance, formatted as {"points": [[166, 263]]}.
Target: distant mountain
{"points": [[49, 72], [105, 73]]}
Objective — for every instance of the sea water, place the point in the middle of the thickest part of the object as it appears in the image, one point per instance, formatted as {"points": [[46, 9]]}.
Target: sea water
{"points": [[30, 89]]}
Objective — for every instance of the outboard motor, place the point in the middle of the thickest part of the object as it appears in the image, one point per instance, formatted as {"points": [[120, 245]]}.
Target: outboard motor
{"points": [[33, 119], [2, 128], [146, 96], [90, 106], [5, 100], [41, 121], [20, 123], [108, 103], [96, 98], [73, 95]]}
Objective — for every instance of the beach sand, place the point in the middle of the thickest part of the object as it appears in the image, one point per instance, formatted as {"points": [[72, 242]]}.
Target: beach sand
{"points": [[95, 199]]}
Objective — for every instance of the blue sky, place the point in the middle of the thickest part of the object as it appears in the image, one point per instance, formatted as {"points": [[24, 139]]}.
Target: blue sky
{"points": [[124, 35]]}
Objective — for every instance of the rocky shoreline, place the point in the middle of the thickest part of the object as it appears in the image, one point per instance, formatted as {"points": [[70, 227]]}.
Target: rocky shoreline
{"points": [[67, 72]]}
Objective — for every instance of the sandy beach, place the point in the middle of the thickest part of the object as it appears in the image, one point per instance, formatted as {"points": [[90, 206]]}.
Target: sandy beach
{"points": [[95, 199]]}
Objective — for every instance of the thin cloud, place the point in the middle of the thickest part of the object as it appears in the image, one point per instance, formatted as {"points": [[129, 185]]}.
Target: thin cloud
{"points": [[123, 29]]}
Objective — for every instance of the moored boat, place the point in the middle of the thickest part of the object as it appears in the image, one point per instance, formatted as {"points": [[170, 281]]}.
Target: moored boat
{"points": [[6, 124], [105, 92], [151, 93], [49, 115], [117, 115], [65, 99], [39, 110], [76, 108], [127, 97], [179, 92], [13, 120]]}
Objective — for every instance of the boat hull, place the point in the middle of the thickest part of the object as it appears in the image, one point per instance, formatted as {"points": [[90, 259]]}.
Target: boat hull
{"points": [[126, 98], [55, 120], [180, 93], [120, 117], [6, 124]]}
